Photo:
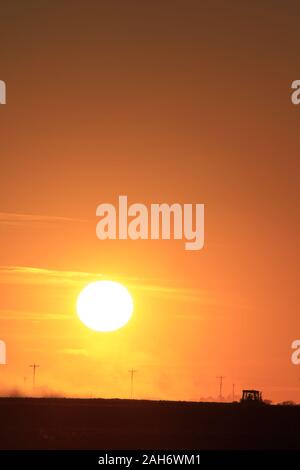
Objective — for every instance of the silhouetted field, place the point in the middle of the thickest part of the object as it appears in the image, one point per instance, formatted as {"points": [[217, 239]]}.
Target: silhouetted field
{"points": [[28, 423]]}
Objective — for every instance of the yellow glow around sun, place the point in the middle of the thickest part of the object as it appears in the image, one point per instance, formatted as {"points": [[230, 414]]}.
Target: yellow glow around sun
{"points": [[104, 306]]}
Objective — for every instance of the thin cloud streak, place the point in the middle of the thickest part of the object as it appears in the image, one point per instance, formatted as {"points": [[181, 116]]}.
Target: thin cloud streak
{"points": [[75, 352], [17, 315], [41, 276], [11, 218]]}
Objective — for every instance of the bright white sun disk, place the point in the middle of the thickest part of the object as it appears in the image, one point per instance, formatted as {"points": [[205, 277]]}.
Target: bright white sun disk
{"points": [[104, 306]]}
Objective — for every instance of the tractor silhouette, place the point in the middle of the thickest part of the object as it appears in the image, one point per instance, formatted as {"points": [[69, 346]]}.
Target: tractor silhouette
{"points": [[251, 397]]}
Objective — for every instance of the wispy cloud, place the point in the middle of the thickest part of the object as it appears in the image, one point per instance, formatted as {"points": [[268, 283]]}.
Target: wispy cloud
{"points": [[18, 315], [42, 276], [11, 218], [75, 351]]}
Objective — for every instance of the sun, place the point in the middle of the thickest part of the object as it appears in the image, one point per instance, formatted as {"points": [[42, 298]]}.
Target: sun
{"points": [[104, 306]]}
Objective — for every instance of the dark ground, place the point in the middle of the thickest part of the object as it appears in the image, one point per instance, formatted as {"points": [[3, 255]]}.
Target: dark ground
{"points": [[27, 423]]}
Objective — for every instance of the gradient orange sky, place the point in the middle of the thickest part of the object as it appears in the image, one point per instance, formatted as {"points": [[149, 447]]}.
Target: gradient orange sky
{"points": [[172, 101]]}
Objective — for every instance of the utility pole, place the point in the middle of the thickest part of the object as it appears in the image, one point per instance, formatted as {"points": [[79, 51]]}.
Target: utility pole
{"points": [[221, 377], [132, 372], [233, 395], [34, 367]]}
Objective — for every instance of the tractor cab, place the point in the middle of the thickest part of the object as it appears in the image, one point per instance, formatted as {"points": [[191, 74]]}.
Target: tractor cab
{"points": [[251, 397]]}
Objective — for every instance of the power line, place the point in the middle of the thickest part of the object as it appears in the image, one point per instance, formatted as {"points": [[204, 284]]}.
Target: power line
{"points": [[221, 377], [34, 367], [132, 372]]}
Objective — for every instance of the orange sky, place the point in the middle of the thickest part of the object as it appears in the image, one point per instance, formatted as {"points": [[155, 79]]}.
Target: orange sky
{"points": [[164, 102]]}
